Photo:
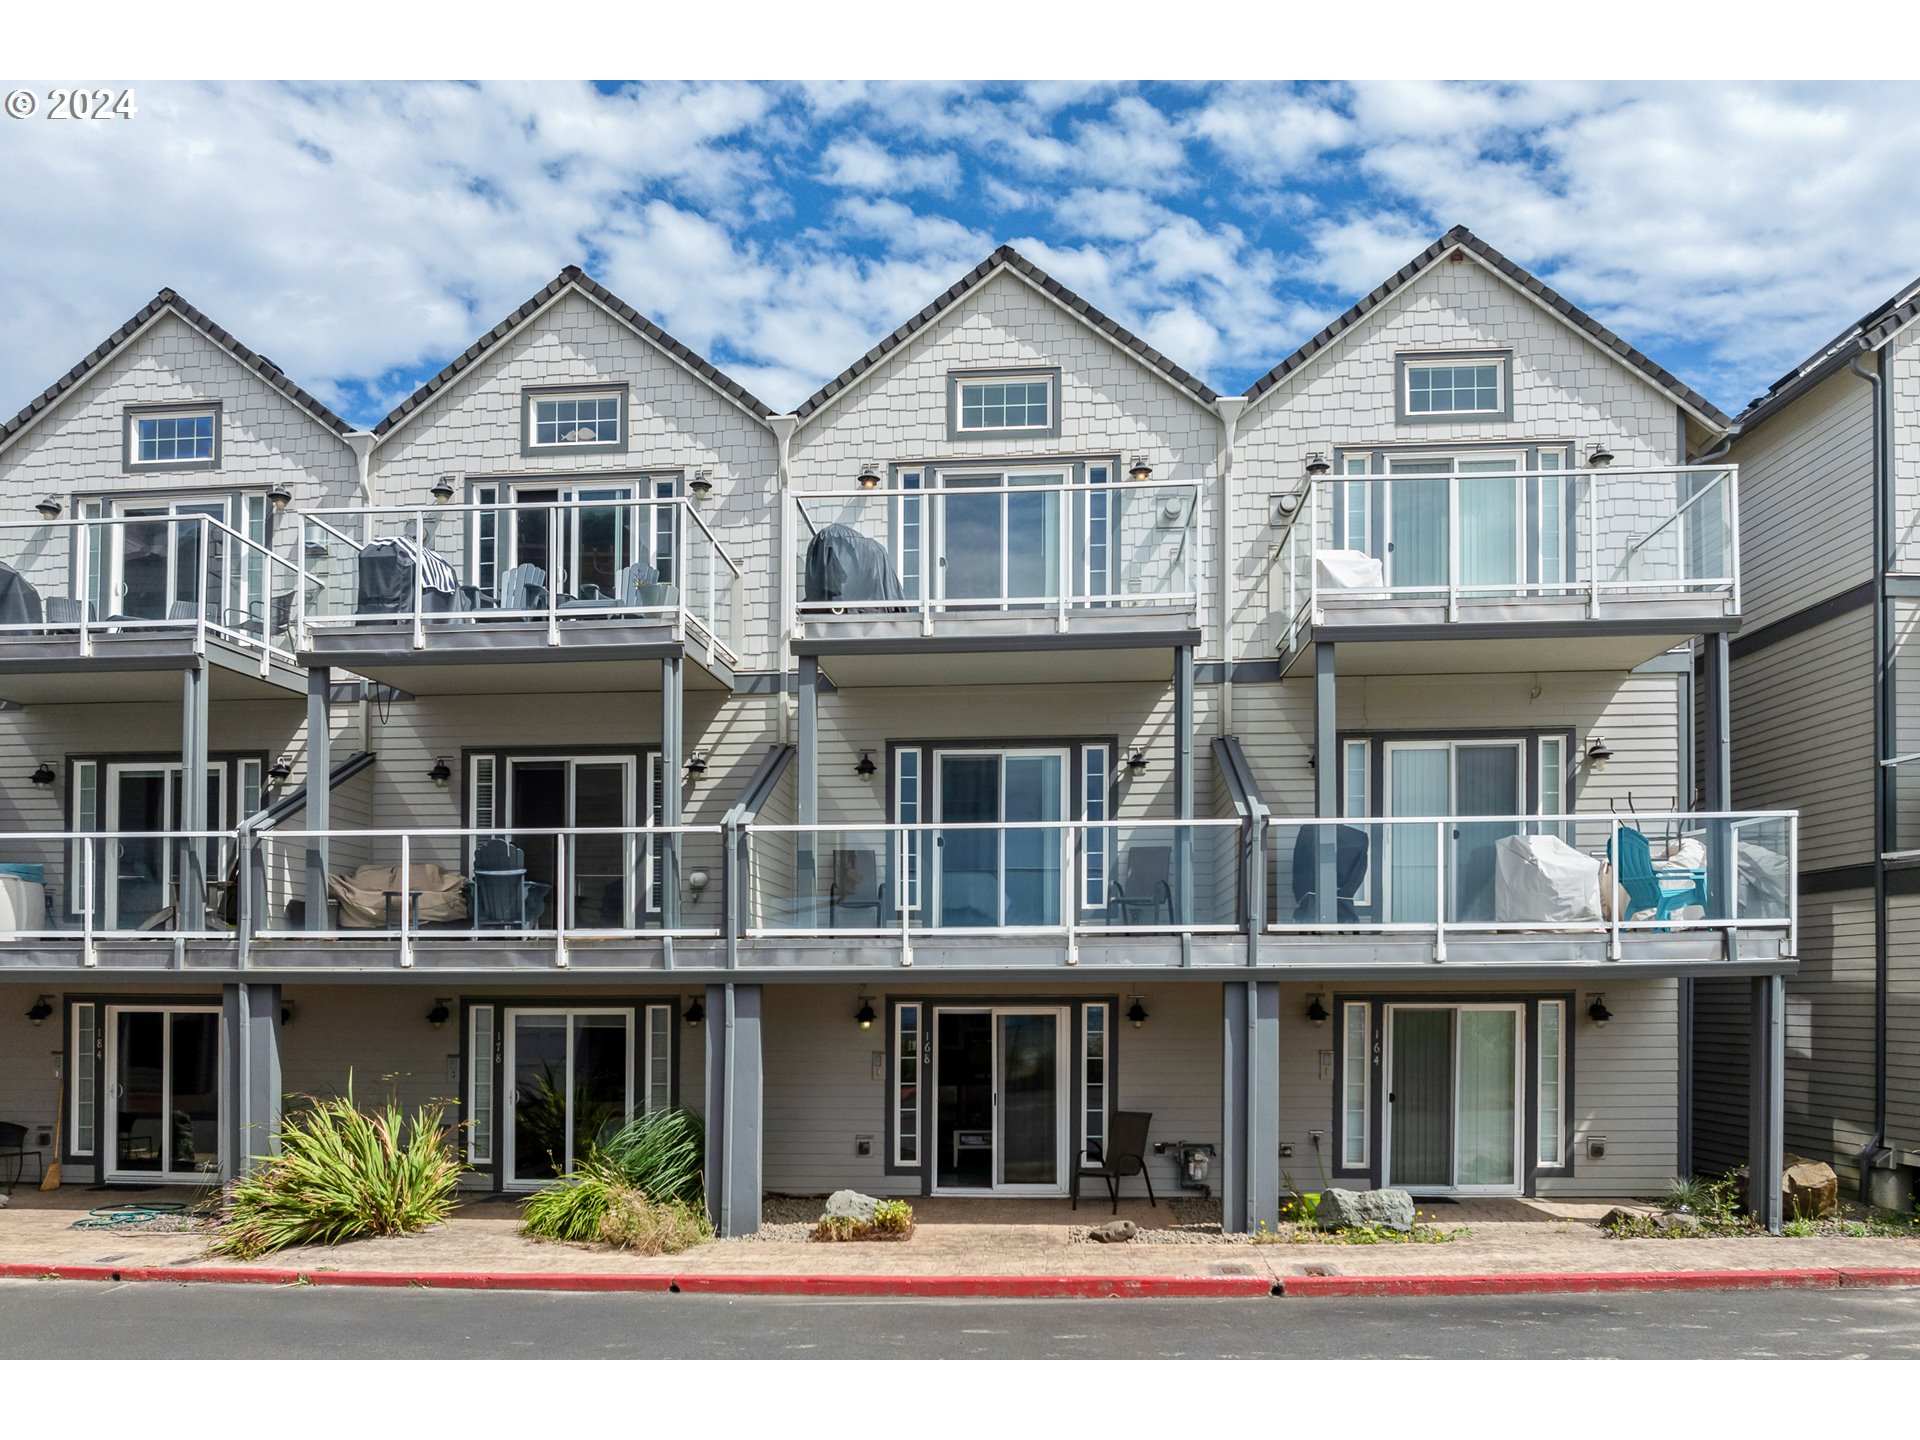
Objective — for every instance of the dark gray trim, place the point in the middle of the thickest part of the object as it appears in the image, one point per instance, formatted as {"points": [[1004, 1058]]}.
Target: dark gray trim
{"points": [[529, 394], [1213, 672], [230, 788], [811, 645], [1844, 602], [765, 682], [1405, 360], [1529, 735], [130, 466], [102, 1155], [294, 801], [958, 378]]}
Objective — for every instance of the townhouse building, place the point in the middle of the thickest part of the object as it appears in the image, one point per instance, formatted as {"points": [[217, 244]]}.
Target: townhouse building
{"points": [[1014, 737], [1825, 709]]}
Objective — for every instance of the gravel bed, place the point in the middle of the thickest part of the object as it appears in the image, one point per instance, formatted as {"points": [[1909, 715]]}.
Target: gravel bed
{"points": [[1196, 1221], [784, 1220]]}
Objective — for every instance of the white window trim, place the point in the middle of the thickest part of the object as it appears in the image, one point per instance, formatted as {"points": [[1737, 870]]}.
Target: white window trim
{"points": [[652, 1101], [476, 1155], [538, 398], [900, 1079], [637, 1044], [82, 1110], [1348, 1009], [184, 412], [961, 383], [1105, 1011], [1558, 1159], [1498, 363]]}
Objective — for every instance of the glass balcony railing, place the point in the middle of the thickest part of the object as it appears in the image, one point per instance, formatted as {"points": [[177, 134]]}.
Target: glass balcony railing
{"points": [[1052, 877], [956, 544], [579, 555], [1489, 532], [170, 568], [1612, 874], [89, 885]]}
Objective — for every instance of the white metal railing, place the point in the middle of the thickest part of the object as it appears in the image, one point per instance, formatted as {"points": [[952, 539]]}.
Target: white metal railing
{"points": [[1447, 875], [641, 870], [526, 560], [1064, 548], [151, 574], [89, 885], [1509, 535]]}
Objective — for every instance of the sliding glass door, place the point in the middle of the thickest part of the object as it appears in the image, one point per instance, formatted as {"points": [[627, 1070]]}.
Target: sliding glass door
{"points": [[163, 1087], [140, 878], [157, 564], [998, 549], [991, 877], [1454, 1109], [602, 871], [570, 1087], [575, 546], [1449, 778], [1001, 1092], [1492, 515]]}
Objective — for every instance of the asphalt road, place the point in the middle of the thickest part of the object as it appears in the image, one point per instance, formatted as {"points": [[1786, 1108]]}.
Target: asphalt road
{"points": [[73, 1320]]}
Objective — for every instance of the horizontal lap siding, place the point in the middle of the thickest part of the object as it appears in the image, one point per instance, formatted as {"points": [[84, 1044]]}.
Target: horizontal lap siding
{"points": [[1904, 356], [1903, 1023], [1803, 737], [1830, 1008], [1721, 1055]]}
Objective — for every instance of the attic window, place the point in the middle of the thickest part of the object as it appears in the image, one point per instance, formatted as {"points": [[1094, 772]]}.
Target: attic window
{"points": [[176, 438], [576, 420], [1003, 406], [1441, 387]]}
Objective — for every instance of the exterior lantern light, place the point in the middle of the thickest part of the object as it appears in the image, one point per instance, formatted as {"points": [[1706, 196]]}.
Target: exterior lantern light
{"points": [[869, 477], [49, 508], [1318, 465], [42, 1008], [279, 497], [866, 768], [1136, 761], [1599, 457], [701, 485], [1317, 1012], [695, 1012], [1598, 753], [1139, 470], [696, 764], [442, 490], [1598, 1012], [280, 770], [43, 775], [697, 880], [1137, 1013], [440, 1014], [440, 774], [864, 1016]]}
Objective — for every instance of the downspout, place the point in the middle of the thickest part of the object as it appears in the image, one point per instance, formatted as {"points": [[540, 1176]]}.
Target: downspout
{"points": [[361, 442], [1882, 529], [1228, 407], [783, 427]]}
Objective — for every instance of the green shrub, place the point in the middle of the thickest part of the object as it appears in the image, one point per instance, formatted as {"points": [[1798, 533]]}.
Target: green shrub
{"points": [[342, 1174], [892, 1220], [573, 1208], [664, 1154], [653, 1163], [1693, 1193], [893, 1217], [649, 1227]]}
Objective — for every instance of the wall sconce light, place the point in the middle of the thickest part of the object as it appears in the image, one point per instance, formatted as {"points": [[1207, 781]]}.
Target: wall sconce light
{"points": [[49, 508], [1598, 1012], [866, 768], [279, 497], [1139, 470], [1136, 761], [697, 880], [1598, 753], [869, 477], [696, 764], [1318, 464], [41, 1010], [695, 1012], [279, 772], [442, 490], [1317, 1012], [1137, 1013], [286, 1012], [701, 485], [440, 774], [440, 1014], [1285, 507], [1599, 457], [864, 1016], [44, 775]]}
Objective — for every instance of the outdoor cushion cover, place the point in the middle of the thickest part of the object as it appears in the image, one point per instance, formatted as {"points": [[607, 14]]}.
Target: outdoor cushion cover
{"points": [[363, 902], [1349, 570]]}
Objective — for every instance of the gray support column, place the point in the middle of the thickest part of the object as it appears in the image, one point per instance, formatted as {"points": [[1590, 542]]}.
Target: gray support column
{"points": [[1766, 1117], [249, 1075], [1183, 790], [319, 793], [734, 1100], [672, 773], [807, 788], [1326, 784], [1718, 788], [1250, 1105], [192, 912]]}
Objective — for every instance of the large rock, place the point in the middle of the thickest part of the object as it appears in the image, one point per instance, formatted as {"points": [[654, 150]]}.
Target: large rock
{"points": [[1811, 1191], [851, 1203], [1114, 1232], [1353, 1209]]}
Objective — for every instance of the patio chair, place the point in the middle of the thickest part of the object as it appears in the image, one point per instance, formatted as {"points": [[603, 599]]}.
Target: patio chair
{"points": [[13, 1147], [524, 588], [503, 897], [65, 610], [1146, 886], [1124, 1154], [856, 885], [1349, 872], [628, 584], [1663, 891]]}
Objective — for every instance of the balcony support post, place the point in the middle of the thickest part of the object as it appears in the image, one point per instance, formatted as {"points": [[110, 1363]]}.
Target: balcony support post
{"points": [[1183, 795], [807, 787], [1250, 1099], [734, 1102], [249, 1076], [1326, 785], [1766, 1072], [672, 713], [319, 794], [191, 917]]}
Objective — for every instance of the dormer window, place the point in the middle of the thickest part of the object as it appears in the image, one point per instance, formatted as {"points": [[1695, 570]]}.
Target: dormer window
{"points": [[174, 437], [1003, 405], [1455, 387], [577, 421]]}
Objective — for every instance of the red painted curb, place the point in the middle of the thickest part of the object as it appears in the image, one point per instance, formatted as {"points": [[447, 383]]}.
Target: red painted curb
{"points": [[1597, 1283]]}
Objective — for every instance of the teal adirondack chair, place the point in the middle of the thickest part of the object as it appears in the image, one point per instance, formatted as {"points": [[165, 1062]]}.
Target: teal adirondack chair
{"points": [[1662, 891]]}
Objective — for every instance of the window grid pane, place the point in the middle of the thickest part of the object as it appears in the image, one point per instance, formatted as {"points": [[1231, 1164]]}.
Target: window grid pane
{"points": [[80, 1069], [1453, 389], [907, 812], [1094, 1140], [1552, 1065], [659, 1057], [1356, 1078], [169, 439], [1006, 405], [907, 1084], [577, 420], [480, 1093], [1094, 788]]}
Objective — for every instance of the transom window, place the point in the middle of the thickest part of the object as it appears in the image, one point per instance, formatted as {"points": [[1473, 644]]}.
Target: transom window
{"points": [[173, 438], [999, 405], [576, 419], [1454, 385]]}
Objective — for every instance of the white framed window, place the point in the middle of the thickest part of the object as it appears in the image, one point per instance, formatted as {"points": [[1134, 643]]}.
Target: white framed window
{"points": [[658, 1094], [82, 1077], [1356, 799], [480, 1033], [86, 816], [908, 1039], [1096, 1082], [1553, 774], [576, 419], [1551, 1048], [906, 810], [1095, 764], [909, 527], [1356, 505], [184, 438], [1356, 1084], [1454, 385], [1013, 403]]}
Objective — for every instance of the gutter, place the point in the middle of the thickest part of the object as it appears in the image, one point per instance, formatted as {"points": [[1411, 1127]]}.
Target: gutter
{"points": [[783, 427], [1876, 1148], [361, 442], [1228, 407]]}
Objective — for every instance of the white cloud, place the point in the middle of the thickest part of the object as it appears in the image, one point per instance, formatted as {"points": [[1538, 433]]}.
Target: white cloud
{"points": [[859, 164]]}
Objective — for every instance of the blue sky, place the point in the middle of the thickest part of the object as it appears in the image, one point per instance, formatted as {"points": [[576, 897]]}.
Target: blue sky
{"points": [[361, 234]]}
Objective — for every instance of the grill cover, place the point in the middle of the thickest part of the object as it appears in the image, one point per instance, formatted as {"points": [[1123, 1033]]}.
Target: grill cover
{"points": [[843, 564]]}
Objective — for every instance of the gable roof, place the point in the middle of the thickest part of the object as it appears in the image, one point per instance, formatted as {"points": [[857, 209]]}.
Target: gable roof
{"points": [[1459, 237], [1869, 332], [170, 300], [573, 276], [1006, 256]]}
